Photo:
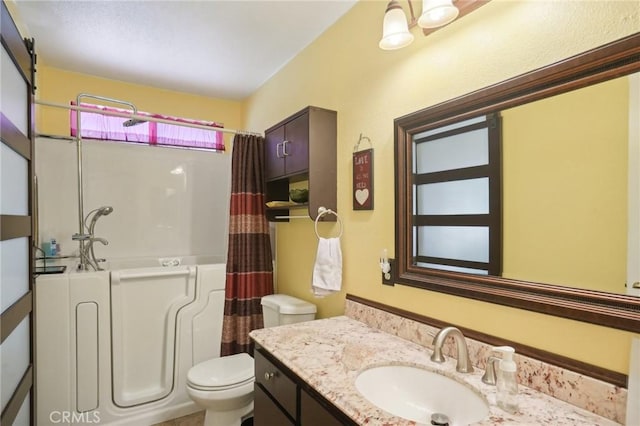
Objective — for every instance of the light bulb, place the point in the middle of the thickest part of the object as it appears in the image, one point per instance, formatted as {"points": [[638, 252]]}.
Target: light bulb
{"points": [[436, 13], [395, 29]]}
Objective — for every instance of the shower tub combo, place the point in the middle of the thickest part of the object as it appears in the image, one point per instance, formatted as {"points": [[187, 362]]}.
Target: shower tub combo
{"points": [[114, 346]]}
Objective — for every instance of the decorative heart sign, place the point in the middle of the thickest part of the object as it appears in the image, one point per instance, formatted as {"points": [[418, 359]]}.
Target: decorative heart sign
{"points": [[362, 195], [363, 180]]}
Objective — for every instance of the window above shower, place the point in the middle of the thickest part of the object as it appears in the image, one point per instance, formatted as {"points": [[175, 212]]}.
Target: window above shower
{"points": [[117, 129]]}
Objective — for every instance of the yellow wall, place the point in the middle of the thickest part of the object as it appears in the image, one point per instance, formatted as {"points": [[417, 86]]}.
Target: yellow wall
{"points": [[60, 86], [565, 188], [345, 70]]}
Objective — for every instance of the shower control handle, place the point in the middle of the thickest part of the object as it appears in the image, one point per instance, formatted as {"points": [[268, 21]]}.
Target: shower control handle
{"points": [[269, 375]]}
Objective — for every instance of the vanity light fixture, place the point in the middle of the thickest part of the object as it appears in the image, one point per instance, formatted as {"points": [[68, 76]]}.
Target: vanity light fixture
{"points": [[435, 14], [395, 29]]}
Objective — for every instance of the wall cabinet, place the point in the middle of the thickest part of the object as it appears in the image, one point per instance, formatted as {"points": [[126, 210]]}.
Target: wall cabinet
{"points": [[288, 148], [282, 398], [302, 147]]}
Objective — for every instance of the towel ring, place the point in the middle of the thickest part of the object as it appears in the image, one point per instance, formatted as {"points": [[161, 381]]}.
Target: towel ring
{"points": [[323, 211]]}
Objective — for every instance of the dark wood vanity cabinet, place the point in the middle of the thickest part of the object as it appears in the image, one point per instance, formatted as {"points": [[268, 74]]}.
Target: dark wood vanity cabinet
{"points": [[316, 413], [302, 147], [277, 385], [281, 398], [266, 412]]}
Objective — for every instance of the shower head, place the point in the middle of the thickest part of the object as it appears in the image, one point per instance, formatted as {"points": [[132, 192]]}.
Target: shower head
{"points": [[132, 122], [102, 211]]}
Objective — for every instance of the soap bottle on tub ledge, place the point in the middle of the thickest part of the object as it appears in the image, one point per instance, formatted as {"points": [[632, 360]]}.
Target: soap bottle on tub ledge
{"points": [[507, 380], [50, 247]]}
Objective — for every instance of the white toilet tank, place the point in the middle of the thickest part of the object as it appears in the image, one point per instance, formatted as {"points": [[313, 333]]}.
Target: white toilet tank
{"points": [[280, 309]]}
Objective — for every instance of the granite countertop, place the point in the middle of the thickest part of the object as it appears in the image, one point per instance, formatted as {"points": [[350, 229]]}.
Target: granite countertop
{"points": [[329, 354]]}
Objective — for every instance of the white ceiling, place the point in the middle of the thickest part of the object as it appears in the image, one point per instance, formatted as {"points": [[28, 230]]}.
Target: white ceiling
{"points": [[224, 49]]}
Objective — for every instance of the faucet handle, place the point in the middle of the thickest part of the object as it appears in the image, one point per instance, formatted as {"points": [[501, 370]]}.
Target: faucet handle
{"points": [[489, 376]]}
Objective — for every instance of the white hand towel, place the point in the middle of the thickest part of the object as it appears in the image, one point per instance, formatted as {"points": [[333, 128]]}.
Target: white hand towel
{"points": [[327, 270]]}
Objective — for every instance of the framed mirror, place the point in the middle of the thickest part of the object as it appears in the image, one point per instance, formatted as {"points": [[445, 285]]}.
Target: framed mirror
{"points": [[561, 200]]}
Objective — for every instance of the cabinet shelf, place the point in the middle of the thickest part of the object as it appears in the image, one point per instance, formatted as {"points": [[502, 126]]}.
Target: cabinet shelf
{"points": [[289, 205]]}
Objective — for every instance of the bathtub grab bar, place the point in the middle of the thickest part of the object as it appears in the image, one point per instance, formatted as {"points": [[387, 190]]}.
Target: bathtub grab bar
{"points": [[119, 276]]}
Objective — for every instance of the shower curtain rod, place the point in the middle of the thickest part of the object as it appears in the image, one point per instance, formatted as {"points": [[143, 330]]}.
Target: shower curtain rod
{"points": [[144, 118]]}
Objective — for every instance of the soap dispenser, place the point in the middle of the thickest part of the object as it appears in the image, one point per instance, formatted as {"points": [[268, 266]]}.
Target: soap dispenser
{"points": [[507, 381]]}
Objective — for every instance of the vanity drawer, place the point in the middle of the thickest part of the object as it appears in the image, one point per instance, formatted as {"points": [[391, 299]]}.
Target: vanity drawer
{"points": [[281, 387]]}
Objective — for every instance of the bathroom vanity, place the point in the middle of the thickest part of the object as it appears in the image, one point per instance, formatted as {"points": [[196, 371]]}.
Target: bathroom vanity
{"points": [[306, 373], [282, 398]]}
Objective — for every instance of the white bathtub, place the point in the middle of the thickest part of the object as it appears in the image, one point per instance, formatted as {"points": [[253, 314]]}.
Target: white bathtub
{"points": [[113, 347], [152, 262]]}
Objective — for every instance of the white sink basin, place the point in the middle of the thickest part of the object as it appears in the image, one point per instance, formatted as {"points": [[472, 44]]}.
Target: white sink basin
{"points": [[416, 394]]}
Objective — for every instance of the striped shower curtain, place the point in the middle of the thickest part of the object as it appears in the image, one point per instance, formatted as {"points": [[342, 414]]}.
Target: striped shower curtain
{"points": [[249, 260]]}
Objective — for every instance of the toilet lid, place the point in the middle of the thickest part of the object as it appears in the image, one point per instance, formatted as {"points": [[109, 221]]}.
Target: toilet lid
{"points": [[222, 373]]}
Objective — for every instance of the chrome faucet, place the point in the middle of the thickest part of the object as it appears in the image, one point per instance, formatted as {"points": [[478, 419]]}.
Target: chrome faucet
{"points": [[87, 255], [464, 364], [89, 249]]}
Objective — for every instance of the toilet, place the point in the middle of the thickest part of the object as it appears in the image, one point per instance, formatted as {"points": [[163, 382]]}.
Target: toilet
{"points": [[224, 386]]}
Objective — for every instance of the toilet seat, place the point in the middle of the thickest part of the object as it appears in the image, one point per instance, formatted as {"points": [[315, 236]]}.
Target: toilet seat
{"points": [[222, 373]]}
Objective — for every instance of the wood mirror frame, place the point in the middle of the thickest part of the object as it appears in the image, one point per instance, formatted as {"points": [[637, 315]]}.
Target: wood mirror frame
{"points": [[610, 61]]}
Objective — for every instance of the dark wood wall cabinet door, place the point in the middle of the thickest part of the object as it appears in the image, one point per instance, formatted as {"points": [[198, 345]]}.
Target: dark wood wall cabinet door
{"points": [[295, 147], [274, 159]]}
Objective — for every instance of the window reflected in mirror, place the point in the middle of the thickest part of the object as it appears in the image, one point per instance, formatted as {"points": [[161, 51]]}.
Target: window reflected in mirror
{"points": [[456, 192]]}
